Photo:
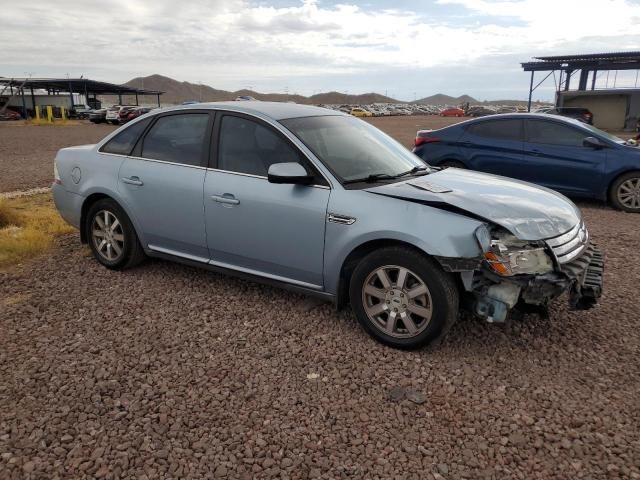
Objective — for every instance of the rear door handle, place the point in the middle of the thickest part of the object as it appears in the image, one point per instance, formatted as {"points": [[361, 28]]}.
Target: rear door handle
{"points": [[226, 198], [133, 181]]}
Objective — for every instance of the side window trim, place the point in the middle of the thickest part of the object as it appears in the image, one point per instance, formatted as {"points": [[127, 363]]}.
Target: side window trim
{"points": [[150, 121], [137, 150], [213, 163]]}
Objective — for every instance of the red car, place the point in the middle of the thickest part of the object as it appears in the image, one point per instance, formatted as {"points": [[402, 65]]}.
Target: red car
{"points": [[452, 112], [10, 115]]}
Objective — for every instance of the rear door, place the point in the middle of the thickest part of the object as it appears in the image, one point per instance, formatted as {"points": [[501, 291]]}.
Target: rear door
{"points": [[556, 158], [494, 146], [162, 183]]}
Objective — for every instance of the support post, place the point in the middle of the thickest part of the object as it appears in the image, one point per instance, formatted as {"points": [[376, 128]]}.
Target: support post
{"points": [[71, 95], [33, 100], [593, 80], [136, 98], [158, 100], [24, 104], [568, 80], [584, 76], [530, 91], [119, 98]]}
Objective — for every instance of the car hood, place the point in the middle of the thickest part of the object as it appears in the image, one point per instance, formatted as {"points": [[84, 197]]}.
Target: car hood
{"points": [[528, 211]]}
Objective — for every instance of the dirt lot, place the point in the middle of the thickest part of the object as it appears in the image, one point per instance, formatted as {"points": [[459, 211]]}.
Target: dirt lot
{"points": [[166, 371], [27, 152]]}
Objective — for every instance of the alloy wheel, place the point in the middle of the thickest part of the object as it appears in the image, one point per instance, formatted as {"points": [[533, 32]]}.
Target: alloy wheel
{"points": [[397, 301], [107, 235], [629, 193]]}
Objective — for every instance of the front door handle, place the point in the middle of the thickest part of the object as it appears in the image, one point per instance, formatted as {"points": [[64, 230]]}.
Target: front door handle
{"points": [[226, 198], [133, 181], [535, 153]]}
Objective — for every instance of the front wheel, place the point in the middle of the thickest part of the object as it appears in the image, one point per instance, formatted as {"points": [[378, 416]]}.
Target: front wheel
{"points": [[402, 297], [625, 192], [111, 236]]}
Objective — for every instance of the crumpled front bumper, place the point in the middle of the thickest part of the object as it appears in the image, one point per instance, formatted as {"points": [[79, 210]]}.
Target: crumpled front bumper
{"points": [[582, 277], [494, 295]]}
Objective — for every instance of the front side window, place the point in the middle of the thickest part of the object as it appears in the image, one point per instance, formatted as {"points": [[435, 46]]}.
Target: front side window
{"points": [[123, 142], [498, 129], [554, 133], [177, 138], [351, 148], [248, 147]]}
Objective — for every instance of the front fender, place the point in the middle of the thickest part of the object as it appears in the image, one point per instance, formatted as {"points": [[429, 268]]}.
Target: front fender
{"points": [[436, 232]]}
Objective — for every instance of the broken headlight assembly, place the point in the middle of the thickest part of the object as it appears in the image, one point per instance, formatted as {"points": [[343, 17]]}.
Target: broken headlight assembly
{"points": [[507, 255]]}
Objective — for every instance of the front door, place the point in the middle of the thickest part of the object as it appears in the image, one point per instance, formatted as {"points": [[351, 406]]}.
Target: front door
{"points": [[162, 184], [554, 156], [258, 227]]}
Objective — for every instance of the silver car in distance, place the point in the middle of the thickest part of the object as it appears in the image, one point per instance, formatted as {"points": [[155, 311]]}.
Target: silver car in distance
{"points": [[324, 203]]}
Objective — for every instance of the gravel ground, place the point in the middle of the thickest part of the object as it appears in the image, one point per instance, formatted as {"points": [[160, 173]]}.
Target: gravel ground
{"points": [[27, 151], [171, 372]]}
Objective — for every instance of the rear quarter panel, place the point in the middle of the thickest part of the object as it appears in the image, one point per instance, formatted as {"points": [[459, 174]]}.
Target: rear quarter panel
{"points": [[448, 148]]}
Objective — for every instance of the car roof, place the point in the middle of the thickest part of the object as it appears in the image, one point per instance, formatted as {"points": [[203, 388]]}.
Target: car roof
{"points": [[273, 110], [521, 116]]}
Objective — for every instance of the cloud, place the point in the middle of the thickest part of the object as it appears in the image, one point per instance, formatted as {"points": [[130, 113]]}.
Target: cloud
{"points": [[233, 43]]}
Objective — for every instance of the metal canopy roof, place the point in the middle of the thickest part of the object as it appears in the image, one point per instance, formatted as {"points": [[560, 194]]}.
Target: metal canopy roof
{"points": [[76, 85], [591, 61]]}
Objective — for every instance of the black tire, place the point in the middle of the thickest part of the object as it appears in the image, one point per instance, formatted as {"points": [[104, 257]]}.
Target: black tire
{"points": [[452, 163], [443, 297], [624, 185], [131, 252]]}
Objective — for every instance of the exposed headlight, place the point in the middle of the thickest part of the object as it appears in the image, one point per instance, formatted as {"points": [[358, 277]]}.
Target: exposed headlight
{"points": [[509, 256]]}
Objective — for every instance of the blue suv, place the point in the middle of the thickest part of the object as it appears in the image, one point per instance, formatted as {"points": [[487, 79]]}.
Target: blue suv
{"points": [[564, 154]]}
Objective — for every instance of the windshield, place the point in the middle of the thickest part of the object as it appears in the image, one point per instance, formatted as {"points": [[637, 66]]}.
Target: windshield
{"points": [[602, 133], [351, 148]]}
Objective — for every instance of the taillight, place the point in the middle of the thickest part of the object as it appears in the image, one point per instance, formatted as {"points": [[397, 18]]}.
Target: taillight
{"points": [[423, 140]]}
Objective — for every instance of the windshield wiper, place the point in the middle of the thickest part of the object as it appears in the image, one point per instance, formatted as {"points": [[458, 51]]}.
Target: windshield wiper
{"points": [[415, 169], [384, 176]]}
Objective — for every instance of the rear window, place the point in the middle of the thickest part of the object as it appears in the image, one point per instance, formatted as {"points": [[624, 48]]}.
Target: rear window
{"points": [[177, 138], [123, 142], [498, 129]]}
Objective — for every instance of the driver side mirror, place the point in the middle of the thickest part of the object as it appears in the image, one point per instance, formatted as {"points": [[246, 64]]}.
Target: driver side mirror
{"points": [[289, 172], [593, 142]]}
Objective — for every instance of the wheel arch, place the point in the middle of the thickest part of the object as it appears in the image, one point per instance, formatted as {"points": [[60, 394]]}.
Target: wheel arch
{"points": [[616, 177], [93, 198], [356, 255]]}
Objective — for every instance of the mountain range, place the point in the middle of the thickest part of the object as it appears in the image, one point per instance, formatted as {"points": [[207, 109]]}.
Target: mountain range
{"points": [[176, 92]]}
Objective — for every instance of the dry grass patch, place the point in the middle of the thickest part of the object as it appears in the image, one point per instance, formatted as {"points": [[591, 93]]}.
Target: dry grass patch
{"points": [[28, 227]]}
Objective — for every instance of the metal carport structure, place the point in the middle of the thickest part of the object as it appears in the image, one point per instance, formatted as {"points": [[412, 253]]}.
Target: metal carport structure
{"points": [[586, 64], [69, 86]]}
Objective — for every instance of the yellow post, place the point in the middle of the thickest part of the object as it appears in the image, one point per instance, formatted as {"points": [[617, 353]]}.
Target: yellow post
{"points": [[38, 114], [62, 114], [49, 114]]}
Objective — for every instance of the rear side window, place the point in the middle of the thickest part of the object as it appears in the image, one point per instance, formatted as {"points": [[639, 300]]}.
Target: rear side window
{"points": [[249, 147], [177, 138], [554, 133], [498, 129], [123, 143]]}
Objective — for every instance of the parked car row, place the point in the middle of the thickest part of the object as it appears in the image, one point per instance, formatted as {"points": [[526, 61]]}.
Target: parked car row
{"points": [[117, 114], [324, 203]]}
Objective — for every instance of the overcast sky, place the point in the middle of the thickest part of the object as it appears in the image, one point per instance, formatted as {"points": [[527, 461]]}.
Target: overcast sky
{"points": [[403, 48]]}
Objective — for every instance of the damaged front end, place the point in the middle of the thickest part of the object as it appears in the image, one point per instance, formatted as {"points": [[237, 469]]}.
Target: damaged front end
{"points": [[513, 272]]}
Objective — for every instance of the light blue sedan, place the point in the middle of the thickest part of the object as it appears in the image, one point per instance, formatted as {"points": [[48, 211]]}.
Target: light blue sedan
{"points": [[324, 203]]}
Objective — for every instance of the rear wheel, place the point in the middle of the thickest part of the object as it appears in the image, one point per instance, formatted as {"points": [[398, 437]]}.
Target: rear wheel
{"points": [[625, 192], [452, 163], [402, 297], [111, 236]]}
